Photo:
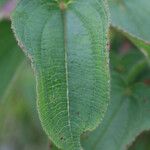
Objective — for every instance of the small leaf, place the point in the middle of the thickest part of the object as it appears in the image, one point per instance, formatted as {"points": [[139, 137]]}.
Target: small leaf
{"points": [[132, 19], [10, 58], [66, 42], [128, 115]]}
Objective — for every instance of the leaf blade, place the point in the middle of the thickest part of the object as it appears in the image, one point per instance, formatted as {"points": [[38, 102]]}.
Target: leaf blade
{"points": [[65, 72]]}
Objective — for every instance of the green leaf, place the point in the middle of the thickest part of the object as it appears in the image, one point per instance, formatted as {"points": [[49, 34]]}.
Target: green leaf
{"points": [[10, 58], [128, 114], [66, 42], [142, 45], [132, 19]]}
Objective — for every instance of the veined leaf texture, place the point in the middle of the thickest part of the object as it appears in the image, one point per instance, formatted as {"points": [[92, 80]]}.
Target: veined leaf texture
{"points": [[67, 44]]}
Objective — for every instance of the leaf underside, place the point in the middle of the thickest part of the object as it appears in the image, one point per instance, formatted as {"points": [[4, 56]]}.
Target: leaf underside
{"points": [[69, 55]]}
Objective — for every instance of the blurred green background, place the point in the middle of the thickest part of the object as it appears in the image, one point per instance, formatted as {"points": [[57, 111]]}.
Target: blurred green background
{"points": [[19, 123]]}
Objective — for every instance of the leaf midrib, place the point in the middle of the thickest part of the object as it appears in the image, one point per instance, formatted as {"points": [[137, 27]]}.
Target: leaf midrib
{"points": [[64, 20]]}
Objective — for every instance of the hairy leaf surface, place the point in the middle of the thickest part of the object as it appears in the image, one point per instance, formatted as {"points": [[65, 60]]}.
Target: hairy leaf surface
{"points": [[128, 114], [132, 18], [10, 58], [66, 42]]}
